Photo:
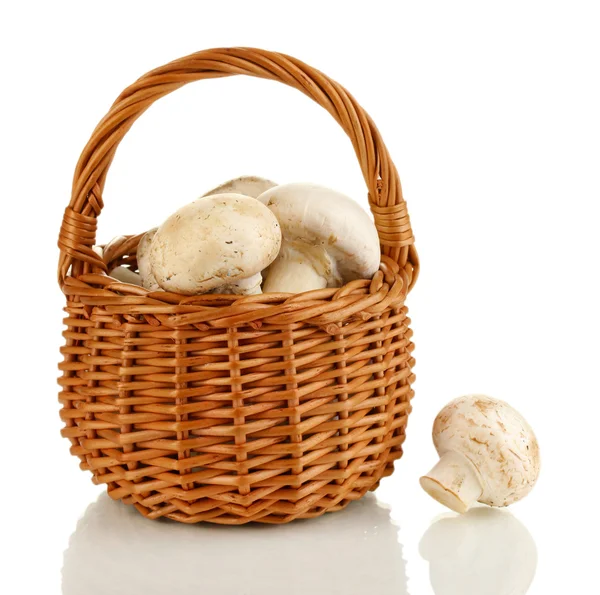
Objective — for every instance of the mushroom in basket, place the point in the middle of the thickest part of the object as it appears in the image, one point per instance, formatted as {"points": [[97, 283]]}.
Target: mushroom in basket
{"points": [[328, 239], [218, 243]]}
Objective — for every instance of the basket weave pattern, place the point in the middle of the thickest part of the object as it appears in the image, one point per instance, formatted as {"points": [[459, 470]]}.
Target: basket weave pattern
{"points": [[234, 409]]}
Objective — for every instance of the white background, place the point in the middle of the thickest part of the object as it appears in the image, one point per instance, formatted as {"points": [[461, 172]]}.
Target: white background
{"points": [[491, 112]]}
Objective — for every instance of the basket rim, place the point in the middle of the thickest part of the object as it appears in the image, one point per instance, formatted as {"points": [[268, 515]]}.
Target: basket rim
{"points": [[329, 308]]}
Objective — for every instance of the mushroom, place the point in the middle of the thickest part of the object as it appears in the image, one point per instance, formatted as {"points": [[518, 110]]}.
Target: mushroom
{"points": [[219, 243], [247, 185], [126, 275], [121, 273], [328, 239], [143, 261], [488, 453]]}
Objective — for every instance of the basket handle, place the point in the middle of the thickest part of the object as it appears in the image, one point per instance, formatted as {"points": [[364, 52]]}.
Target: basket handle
{"points": [[78, 230]]}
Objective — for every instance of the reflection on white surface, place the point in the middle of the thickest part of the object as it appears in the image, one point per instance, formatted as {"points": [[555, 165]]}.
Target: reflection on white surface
{"points": [[483, 552], [116, 551]]}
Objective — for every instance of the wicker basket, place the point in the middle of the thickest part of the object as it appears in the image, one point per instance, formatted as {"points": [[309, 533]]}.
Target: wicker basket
{"points": [[235, 409]]}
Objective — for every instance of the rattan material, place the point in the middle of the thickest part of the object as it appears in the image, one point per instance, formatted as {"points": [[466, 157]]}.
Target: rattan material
{"points": [[226, 409]]}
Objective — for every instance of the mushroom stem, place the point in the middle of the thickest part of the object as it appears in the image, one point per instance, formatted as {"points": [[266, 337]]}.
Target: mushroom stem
{"points": [[249, 286], [293, 272], [454, 482]]}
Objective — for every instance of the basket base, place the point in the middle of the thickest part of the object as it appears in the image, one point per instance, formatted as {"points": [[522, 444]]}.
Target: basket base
{"points": [[328, 498]]}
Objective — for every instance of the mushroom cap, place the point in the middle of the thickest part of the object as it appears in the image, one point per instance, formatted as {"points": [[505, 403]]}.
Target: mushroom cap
{"points": [[143, 260], [496, 439], [212, 242], [252, 186], [321, 218]]}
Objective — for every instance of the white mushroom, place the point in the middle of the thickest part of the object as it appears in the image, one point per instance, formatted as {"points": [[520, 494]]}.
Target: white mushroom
{"points": [[249, 286], [126, 275], [328, 239], [217, 244], [488, 453], [122, 274], [247, 185], [143, 261]]}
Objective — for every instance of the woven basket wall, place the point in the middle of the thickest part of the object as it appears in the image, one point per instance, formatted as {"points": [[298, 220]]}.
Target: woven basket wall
{"points": [[234, 409]]}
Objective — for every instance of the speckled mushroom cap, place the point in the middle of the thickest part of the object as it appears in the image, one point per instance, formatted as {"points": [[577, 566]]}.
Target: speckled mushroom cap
{"points": [[143, 260], [213, 243], [496, 439], [252, 186]]}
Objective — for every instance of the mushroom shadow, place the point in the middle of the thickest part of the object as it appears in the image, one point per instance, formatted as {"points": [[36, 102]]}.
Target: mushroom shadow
{"points": [[483, 552], [116, 551]]}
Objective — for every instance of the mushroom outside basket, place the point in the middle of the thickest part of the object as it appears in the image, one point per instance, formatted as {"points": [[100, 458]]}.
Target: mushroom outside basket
{"points": [[233, 409]]}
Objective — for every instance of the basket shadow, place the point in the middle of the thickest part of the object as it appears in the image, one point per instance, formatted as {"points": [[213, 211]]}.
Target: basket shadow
{"points": [[483, 552], [114, 551]]}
